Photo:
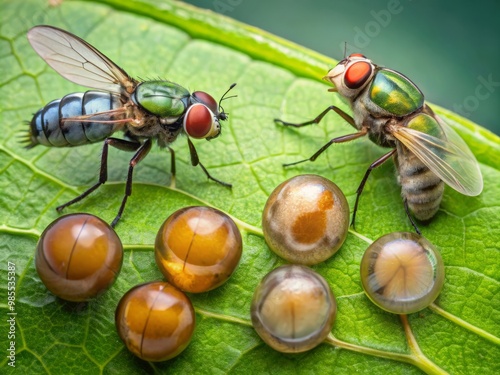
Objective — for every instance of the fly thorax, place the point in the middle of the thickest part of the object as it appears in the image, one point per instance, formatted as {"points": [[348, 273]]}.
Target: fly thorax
{"points": [[166, 138], [364, 100], [150, 126], [360, 113], [376, 125], [161, 98], [393, 94], [167, 121], [377, 131]]}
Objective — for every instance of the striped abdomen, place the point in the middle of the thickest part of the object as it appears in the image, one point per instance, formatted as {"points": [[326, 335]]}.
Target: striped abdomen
{"points": [[48, 129], [421, 188]]}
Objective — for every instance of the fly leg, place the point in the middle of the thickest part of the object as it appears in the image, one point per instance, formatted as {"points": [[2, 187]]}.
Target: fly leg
{"points": [[318, 118], [172, 165], [140, 154], [341, 139], [344, 138], [407, 209], [103, 174], [196, 161], [361, 186]]}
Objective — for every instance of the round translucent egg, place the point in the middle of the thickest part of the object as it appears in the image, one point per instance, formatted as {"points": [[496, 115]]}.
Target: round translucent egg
{"points": [[402, 272], [306, 219], [293, 309]]}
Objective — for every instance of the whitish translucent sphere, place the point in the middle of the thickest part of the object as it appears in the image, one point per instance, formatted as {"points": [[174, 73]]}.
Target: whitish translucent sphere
{"points": [[402, 272], [293, 309]]}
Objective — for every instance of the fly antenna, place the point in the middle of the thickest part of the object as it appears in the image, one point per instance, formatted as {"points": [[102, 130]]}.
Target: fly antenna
{"points": [[224, 97]]}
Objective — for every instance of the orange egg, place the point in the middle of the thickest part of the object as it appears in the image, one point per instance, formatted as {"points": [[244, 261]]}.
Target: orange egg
{"points": [[198, 248], [78, 257], [305, 219], [155, 321]]}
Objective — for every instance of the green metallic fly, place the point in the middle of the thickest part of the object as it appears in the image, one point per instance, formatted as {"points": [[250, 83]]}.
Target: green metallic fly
{"points": [[390, 109], [144, 111]]}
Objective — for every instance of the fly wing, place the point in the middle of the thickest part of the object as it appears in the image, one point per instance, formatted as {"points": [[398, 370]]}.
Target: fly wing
{"points": [[448, 157], [79, 62]]}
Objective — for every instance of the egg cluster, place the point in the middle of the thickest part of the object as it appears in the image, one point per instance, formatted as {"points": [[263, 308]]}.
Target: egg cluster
{"points": [[79, 256], [305, 221]]}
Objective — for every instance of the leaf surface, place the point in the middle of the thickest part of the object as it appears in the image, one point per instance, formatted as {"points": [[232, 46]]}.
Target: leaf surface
{"points": [[459, 333]]}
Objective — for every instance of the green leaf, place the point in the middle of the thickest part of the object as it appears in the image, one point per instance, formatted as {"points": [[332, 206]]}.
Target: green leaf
{"points": [[459, 333]]}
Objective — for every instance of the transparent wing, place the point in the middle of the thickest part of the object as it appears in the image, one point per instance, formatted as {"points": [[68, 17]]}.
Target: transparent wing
{"points": [[449, 158], [77, 61]]}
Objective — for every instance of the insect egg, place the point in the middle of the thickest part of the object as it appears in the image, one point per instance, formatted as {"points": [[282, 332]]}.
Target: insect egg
{"points": [[402, 272], [198, 248], [293, 309], [305, 219], [155, 321], [78, 257]]}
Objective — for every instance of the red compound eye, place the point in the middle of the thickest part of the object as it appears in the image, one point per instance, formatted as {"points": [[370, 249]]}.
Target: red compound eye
{"points": [[357, 55], [198, 121], [357, 74], [206, 99]]}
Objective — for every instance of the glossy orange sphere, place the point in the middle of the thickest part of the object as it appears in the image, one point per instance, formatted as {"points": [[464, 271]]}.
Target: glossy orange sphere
{"points": [[78, 257], [305, 219], [155, 321], [198, 248]]}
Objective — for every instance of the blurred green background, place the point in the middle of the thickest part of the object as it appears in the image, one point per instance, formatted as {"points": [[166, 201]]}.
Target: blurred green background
{"points": [[450, 49]]}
